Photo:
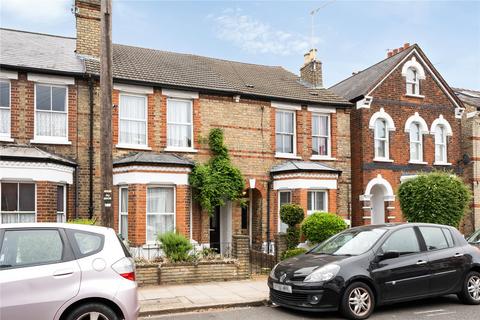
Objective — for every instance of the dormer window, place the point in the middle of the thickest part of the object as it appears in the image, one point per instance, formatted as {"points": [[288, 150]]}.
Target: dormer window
{"points": [[413, 82]]}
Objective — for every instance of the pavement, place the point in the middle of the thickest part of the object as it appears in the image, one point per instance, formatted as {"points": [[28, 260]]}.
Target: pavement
{"points": [[200, 296]]}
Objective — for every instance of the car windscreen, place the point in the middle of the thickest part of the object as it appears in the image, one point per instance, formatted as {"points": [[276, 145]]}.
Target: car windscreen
{"points": [[352, 242], [474, 238]]}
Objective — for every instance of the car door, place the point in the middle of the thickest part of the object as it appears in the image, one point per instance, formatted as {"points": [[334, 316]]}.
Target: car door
{"points": [[38, 273], [446, 261], [405, 276]]}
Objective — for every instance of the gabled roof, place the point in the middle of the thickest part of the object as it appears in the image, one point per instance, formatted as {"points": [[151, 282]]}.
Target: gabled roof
{"points": [[468, 96], [20, 49], [290, 166], [151, 158], [363, 81], [17, 152]]}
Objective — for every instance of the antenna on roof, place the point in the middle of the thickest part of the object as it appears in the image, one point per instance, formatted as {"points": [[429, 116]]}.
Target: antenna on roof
{"points": [[312, 15]]}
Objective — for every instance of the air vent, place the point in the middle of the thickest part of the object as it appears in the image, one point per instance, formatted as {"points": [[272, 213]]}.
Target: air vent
{"points": [[314, 93], [248, 85]]}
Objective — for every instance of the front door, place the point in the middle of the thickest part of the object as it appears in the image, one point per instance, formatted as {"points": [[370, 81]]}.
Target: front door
{"points": [[215, 229], [378, 205]]}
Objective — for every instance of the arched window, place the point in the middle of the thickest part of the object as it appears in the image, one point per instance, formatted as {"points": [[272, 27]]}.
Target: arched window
{"points": [[413, 82], [381, 139], [440, 144], [416, 142]]}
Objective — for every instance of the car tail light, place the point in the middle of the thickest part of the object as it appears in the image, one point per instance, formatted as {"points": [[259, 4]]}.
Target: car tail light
{"points": [[125, 267]]}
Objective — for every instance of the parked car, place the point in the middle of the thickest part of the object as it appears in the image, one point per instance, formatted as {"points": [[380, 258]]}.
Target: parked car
{"points": [[474, 239], [65, 271], [364, 267]]}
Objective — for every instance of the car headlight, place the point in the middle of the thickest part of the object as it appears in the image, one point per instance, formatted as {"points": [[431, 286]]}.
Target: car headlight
{"points": [[272, 273], [324, 273]]}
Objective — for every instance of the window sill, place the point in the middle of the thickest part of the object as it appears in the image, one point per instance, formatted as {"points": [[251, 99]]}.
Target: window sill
{"points": [[323, 158], [50, 141], [286, 156], [6, 139], [132, 146], [442, 164], [419, 96], [382, 160], [175, 149], [417, 162]]}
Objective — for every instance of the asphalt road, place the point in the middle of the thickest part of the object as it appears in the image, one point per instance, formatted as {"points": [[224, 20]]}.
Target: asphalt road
{"points": [[444, 308]]}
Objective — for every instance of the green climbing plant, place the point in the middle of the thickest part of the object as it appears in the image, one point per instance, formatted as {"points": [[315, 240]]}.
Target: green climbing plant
{"points": [[218, 180]]}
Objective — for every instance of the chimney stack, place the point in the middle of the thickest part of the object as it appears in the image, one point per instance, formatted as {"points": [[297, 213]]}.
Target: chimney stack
{"points": [[311, 71], [87, 16], [393, 52]]}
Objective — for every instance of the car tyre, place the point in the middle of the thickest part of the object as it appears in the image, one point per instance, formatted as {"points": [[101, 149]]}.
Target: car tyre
{"points": [[357, 301], [98, 310], [470, 293]]}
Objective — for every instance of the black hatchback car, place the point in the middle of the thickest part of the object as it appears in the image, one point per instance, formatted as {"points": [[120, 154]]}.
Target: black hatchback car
{"points": [[364, 267]]}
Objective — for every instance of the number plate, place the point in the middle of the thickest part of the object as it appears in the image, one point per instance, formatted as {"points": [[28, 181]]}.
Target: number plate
{"points": [[282, 287]]}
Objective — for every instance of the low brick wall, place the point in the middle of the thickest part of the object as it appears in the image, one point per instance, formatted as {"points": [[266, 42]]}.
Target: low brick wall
{"points": [[201, 272], [147, 274]]}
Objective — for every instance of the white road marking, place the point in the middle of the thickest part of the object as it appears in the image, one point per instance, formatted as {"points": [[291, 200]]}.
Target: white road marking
{"points": [[429, 311], [439, 314]]}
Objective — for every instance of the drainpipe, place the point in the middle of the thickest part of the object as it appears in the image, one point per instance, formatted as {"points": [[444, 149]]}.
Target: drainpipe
{"points": [[76, 191], [90, 149], [268, 216]]}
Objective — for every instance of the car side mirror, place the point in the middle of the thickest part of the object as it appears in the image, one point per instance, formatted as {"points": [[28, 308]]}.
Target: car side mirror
{"points": [[388, 255]]}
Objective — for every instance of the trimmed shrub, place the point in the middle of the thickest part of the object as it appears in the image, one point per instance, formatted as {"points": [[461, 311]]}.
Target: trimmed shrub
{"points": [[175, 246], [320, 226], [292, 214], [437, 197], [293, 252]]}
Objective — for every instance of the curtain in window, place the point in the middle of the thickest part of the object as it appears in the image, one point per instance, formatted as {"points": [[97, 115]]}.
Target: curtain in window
{"points": [[440, 144], [320, 133], [380, 138], [284, 131], [4, 121], [51, 111], [133, 120], [160, 212], [415, 142], [124, 212], [179, 123]]}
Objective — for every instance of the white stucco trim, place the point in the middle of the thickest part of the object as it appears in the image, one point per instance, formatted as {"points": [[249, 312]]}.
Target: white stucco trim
{"points": [[441, 121], [382, 115], [50, 79], [10, 75], [127, 178], [413, 63], [35, 171], [286, 106], [304, 184], [171, 93], [319, 109], [379, 180], [417, 118], [132, 88]]}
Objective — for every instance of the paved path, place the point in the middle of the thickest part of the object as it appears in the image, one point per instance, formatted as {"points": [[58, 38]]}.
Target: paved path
{"points": [[178, 298], [445, 308]]}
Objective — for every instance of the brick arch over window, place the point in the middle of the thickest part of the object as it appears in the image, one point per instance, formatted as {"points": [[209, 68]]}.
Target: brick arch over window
{"points": [[382, 115], [418, 119], [413, 63], [443, 122]]}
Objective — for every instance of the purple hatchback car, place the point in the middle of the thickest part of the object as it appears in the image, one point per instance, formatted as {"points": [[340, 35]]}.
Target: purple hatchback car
{"points": [[65, 272]]}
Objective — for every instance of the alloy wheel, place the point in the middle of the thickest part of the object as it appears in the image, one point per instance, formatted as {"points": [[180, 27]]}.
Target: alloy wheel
{"points": [[360, 301], [473, 287], [92, 316]]}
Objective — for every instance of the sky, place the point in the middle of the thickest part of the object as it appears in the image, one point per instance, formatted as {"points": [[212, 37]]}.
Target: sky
{"points": [[349, 35]]}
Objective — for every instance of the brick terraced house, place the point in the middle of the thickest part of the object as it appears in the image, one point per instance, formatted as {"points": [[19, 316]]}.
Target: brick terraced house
{"points": [[406, 120], [289, 136]]}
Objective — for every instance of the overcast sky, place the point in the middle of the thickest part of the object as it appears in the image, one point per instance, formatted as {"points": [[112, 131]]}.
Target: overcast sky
{"points": [[349, 35]]}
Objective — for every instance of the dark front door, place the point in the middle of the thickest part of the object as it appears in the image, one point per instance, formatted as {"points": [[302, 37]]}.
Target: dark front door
{"points": [[215, 230], [405, 276]]}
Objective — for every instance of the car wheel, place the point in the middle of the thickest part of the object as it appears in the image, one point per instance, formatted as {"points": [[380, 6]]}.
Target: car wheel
{"points": [[470, 293], [357, 302], [92, 311]]}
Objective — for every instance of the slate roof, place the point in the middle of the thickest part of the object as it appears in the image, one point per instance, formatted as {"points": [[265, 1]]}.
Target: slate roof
{"points": [[162, 68], [468, 96], [290, 166], [153, 158], [362, 82], [31, 153]]}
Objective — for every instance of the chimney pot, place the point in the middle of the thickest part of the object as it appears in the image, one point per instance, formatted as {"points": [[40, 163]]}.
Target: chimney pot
{"points": [[406, 45], [395, 51], [389, 54], [311, 71]]}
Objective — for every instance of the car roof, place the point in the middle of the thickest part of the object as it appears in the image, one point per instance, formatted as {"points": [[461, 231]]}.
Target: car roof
{"points": [[392, 226], [83, 227]]}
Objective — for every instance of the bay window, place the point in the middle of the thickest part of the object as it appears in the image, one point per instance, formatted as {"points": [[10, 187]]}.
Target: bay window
{"points": [[179, 123], [17, 202], [284, 197], [316, 201], [51, 112], [416, 143], [5, 111], [320, 135], [160, 212], [285, 132], [123, 213], [132, 117]]}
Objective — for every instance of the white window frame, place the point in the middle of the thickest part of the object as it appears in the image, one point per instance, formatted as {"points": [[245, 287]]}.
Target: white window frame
{"points": [[120, 212], [18, 199], [175, 148], [124, 145], [6, 137], [328, 136], [293, 154], [443, 143], [413, 84], [279, 207], [64, 212], [160, 213], [386, 157], [315, 191], [419, 142]]}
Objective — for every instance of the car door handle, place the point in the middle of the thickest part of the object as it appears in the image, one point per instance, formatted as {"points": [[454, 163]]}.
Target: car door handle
{"points": [[421, 262], [63, 273], [458, 255]]}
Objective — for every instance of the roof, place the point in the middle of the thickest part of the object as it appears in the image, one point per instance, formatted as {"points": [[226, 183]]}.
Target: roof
{"points": [[468, 96], [31, 153], [362, 82], [289, 166], [154, 67], [39, 51], [153, 158]]}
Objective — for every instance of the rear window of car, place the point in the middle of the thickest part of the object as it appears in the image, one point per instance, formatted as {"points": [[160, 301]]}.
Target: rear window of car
{"points": [[86, 243], [435, 238]]}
